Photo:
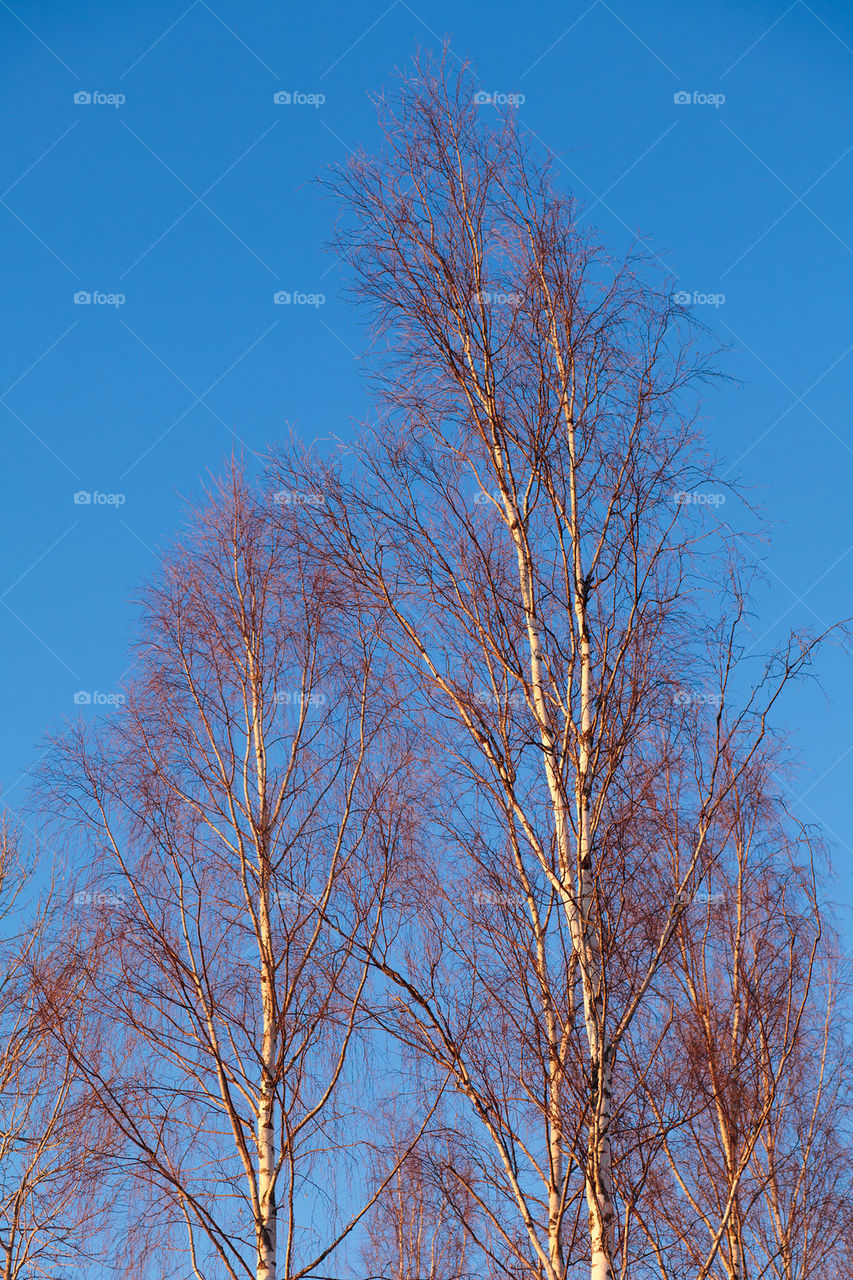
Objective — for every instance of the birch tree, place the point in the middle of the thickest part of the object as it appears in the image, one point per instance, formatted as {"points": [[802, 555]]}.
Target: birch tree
{"points": [[52, 1147], [415, 1231], [741, 1092], [538, 524], [804, 1162], [223, 819]]}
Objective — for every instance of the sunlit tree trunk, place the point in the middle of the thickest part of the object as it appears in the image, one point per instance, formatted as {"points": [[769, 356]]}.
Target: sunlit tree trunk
{"points": [[234, 795], [514, 524]]}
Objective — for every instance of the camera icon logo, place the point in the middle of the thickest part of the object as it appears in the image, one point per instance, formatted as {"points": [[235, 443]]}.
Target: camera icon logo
{"points": [[480, 97], [82, 98], [282, 98], [82, 498], [681, 98], [82, 296], [82, 698], [281, 298], [683, 298]]}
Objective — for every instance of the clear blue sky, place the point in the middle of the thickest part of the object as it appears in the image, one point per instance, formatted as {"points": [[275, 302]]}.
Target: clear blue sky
{"points": [[193, 199]]}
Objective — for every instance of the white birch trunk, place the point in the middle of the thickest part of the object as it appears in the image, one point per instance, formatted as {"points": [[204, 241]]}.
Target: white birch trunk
{"points": [[266, 1226], [267, 1221], [267, 1216], [598, 1179]]}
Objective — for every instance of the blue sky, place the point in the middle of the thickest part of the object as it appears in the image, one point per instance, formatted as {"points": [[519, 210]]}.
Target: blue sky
{"points": [[180, 194]]}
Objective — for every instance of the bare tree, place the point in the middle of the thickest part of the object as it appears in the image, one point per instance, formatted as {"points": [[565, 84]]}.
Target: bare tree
{"points": [[804, 1162], [51, 1144], [532, 522], [224, 818], [414, 1232], [744, 1064], [463, 721]]}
